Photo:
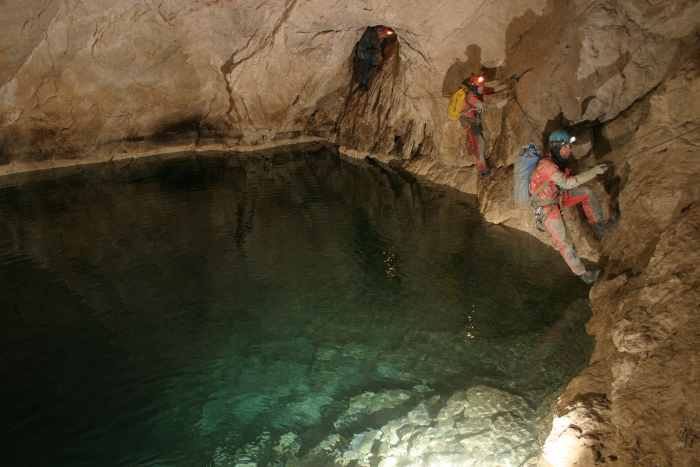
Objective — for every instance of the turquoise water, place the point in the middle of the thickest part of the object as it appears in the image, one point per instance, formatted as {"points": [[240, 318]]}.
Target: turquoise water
{"points": [[172, 311]]}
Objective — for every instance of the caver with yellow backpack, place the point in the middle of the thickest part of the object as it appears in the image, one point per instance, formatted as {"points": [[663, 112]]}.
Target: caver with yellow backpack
{"points": [[466, 105]]}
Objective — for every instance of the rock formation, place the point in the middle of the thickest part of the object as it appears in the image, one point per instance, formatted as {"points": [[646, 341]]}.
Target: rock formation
{"points": [[86, 81]]}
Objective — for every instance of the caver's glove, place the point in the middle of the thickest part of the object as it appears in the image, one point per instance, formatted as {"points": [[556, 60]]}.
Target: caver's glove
{"points": [[496, 87], [589, 175], [496, 105], [600, 168], [500, 104]]}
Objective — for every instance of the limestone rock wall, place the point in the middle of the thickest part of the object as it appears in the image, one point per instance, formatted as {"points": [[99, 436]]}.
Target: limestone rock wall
{"points": [[91, 80], [633, 403], [88, 80]]}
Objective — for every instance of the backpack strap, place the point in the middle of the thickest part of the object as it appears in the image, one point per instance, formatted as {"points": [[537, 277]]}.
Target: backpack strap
{"points": [[476, 112], [545, 202]]}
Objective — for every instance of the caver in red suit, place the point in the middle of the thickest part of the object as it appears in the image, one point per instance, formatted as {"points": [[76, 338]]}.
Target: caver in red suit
{"points": [[473, 105], [561, 191]]}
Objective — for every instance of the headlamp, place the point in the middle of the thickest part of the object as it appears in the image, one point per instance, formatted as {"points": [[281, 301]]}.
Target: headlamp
{"points": [[572, 139], [477, 80]]}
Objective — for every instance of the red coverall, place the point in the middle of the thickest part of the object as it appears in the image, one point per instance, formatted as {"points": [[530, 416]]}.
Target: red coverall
{"points": [[475, 141], [547, 171]]}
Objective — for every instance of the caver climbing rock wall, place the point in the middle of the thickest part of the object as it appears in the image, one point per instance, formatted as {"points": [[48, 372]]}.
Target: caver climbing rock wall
{"points": [[88, 81]]}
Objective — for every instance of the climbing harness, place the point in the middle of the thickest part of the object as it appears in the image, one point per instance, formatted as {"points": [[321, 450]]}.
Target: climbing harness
{"points": [[539, 219], [540, 213], [479, 113], [454, 110]]}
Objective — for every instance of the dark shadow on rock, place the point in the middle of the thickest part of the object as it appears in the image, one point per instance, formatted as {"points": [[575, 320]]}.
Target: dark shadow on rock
{"points": [[459, 71], [586, 102], [519, 26], [537, 41], [184, 130]]}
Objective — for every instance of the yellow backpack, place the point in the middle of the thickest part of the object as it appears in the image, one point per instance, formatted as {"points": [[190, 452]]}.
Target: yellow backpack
{"points": [[454, 110]]}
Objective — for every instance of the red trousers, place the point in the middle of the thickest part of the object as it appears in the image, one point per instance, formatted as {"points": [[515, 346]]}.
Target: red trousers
{"points": [[476, 145], [556, 226]]}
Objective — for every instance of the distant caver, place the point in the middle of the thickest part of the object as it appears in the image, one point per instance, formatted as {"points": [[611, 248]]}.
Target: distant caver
{"points": [[472, 105]]}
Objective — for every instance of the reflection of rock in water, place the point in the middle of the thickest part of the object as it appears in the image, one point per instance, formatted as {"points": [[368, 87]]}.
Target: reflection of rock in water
{"points": [[281, 263], [482, 426]]}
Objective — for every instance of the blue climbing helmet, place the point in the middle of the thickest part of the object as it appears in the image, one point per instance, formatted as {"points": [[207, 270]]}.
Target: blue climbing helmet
{"points": [[560, 138]]}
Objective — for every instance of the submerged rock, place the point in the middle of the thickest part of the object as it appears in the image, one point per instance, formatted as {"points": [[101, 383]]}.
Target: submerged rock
{"points": [[289, 445], [496, 429], [369, 403]]}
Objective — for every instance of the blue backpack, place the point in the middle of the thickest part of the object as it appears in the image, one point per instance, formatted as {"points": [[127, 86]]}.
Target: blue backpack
{"points": [[524, 165]]}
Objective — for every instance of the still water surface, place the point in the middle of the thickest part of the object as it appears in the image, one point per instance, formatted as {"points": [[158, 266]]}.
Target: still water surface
{"points": [[161, 311]]}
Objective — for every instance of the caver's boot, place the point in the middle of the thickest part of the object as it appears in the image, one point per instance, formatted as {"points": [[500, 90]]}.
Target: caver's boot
{"points": [[590, 277], [486, 171], [601, 227]]}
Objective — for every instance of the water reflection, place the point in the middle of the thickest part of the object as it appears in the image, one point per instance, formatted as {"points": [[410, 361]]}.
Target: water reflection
{"points": [[176, 311]]}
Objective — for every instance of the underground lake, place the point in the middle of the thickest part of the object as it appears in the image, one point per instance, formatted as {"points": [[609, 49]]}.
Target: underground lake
{"points": [[282, 308]]}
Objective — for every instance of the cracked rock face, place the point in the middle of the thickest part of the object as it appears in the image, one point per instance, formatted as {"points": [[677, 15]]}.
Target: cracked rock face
{"points": [[90, 80], [87, 81]]}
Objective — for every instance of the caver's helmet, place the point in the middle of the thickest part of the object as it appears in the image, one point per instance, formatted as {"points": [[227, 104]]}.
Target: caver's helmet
{"points": [[477, 80], [560, 138], [383, 30]]}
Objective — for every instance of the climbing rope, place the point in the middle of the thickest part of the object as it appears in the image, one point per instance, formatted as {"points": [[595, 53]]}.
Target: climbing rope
{"points": [[430, 97], [661, 128], [534, 130], [529, 120], [498, 144], [515, 98], [514, 77], [438, 96], [657, 145]]}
